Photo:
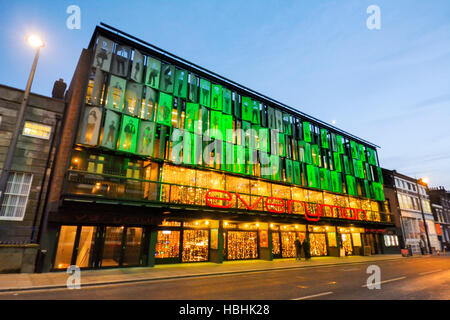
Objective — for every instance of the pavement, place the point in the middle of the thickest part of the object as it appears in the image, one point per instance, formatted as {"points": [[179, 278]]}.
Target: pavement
{"points": [[53, 280]]}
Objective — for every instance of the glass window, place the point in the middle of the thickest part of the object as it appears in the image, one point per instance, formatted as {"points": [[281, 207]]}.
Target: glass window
{"points": [[16, 196], [36, 130], [167, 244], [242, 245], [85, 252], [235, 184], [66, 244], [195, 245]]}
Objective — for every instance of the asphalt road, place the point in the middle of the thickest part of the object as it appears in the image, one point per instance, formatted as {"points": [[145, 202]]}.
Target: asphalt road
{"points": [[414, 278]]}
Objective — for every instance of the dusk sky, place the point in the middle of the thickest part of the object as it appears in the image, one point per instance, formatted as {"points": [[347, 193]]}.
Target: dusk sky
{"points": [[389, 86]]}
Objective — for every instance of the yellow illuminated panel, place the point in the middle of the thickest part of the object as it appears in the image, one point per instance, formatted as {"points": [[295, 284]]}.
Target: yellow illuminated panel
{"points": [[36, 130]]}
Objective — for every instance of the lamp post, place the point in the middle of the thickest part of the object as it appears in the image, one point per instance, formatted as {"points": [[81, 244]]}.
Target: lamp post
{"points": [[423, 214], [37, 43]]}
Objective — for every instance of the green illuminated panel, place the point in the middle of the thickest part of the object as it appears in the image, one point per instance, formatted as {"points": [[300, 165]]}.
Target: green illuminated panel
{"points": [[250, 156], [275, 163], [367, 191], [192, 116], [246, 126], [359, 169], [167, 78], [368, 171], [315, 154], [247, 108], [306, 132], [305, 152], [204, 119], [264, 139], [164, 115], [351, 185], [297, 173], [347, 166], [146, 141], [324, 138], [354, 150], [337, 162], [312, 174], [181, 84], [128, 134], [281, 145], [177, 146], [226, 101], [116, 93], [193, 88], [271, 118], [380, 175], [256, 114], [340, 144], [334, 146], [216, 97], [197, 152], [239, 155], [372, 157], [377, 189], [153, 70], [336, 182], [227, 127], [229, 157], [205, 92], [325, 179], [215, 125], [110, 130], [237, 105], [289, 171], [362, 153]]}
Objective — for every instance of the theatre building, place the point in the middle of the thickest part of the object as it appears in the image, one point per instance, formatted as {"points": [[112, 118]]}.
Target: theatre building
{"points": [[162, 161]]}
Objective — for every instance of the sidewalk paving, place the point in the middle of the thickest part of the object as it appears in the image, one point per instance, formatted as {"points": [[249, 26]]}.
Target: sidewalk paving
{"points": [[35, 281]]}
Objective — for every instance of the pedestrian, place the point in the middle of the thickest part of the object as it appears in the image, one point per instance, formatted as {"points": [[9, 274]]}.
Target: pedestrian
{"points": [[298, 249], [306, 248]]}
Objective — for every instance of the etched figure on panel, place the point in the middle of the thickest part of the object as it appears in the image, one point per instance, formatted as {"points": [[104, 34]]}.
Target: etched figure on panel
{"points": [[111, 133], [129, 130], [90, 126], [153, 74]]}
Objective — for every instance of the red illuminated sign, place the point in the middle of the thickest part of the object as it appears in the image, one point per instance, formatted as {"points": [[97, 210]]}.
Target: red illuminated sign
{"points": [[279, 205]]}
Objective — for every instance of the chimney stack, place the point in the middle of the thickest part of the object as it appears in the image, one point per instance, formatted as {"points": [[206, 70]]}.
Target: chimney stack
{"points": [[59, 87]]}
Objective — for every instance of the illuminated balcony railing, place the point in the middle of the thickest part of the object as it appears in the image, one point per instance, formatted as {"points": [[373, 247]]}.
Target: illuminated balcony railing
{"points": [[115, 187]]}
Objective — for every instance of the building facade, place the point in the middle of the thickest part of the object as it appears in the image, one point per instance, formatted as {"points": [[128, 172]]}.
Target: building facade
{"points": [[440, 205], [26, 190], [162, 161], [411, 207]]}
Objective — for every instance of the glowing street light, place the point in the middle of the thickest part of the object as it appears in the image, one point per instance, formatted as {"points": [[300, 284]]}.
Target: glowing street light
{"points": [[35, 42]]}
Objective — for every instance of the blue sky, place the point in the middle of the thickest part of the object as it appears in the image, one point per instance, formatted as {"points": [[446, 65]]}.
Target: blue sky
{"points": [[389, 86]]}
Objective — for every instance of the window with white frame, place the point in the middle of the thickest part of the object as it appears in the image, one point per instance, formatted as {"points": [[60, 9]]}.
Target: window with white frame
{"points": [[16, 196]]}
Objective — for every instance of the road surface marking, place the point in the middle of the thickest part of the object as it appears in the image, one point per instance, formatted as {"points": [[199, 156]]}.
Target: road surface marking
{"points": [[314, 295], [384, 281], [428, 272]]}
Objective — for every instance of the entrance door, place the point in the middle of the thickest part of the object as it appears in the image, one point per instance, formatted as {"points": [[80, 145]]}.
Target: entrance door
{"points": [[346, 241], [276, 245], [86, 253], [242, 245], [112, 247], [133, 246]]}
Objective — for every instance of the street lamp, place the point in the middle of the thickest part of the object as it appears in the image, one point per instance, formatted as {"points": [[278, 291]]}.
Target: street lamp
{"points": [[425, 181], [37, 43]]}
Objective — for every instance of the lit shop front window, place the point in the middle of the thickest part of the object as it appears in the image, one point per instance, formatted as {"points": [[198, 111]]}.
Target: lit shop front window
{"points": [[167, 244], [36, 130], [207, 188], [195, 245], [242, 245], [390, 240]]}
